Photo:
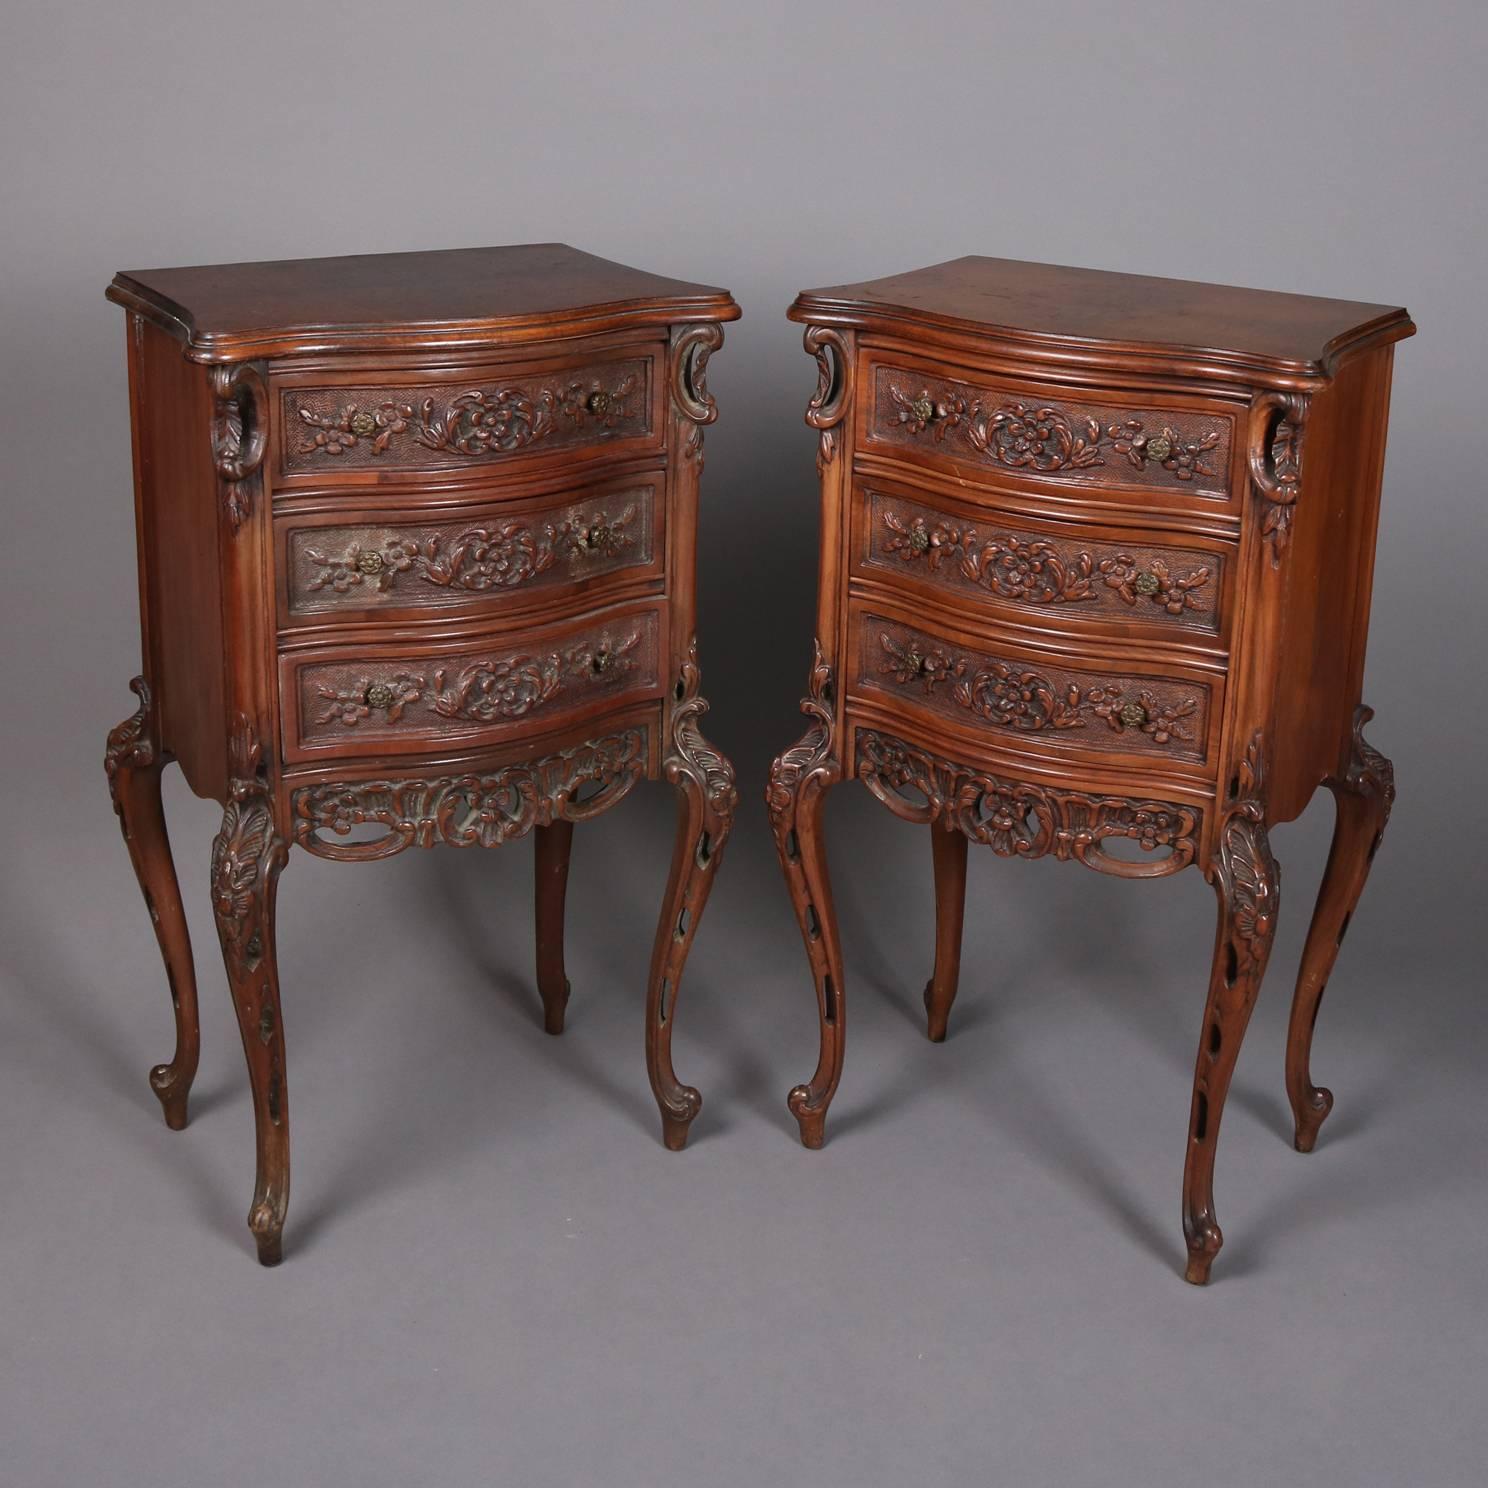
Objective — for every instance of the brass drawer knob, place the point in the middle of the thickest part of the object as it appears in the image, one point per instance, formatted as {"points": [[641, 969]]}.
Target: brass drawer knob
{"points": [[594, 537], [602, 659], [598, 402], [1146, 584], [363, 424], [379, 695], [370, 563], [1159, 447], [1132, 715], [923, 409]]}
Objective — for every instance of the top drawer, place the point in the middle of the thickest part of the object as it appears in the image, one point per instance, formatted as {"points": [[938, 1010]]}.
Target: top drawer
{"points": [[1170, 449], [363, 424]]}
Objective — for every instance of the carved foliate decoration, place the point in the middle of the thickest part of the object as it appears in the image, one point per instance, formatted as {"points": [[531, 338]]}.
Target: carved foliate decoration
{"points": [[471, 810], [1369, 772], [691, 347], [1025, 821], [240, 430], [129, 744], [1244, 868], [474, 424], [828, 405], [813, 751], [692, 752], [1277, 425]]}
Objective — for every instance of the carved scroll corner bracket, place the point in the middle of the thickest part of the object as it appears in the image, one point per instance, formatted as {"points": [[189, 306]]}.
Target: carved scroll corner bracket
{"points": [[827, 406], [692, 345], [691, 753], [1274, 452], [815, 750], [129, 743], [240, 432]]}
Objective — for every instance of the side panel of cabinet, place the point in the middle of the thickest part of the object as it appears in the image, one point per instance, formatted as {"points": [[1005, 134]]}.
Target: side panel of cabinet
{"points": [[176, 493]]}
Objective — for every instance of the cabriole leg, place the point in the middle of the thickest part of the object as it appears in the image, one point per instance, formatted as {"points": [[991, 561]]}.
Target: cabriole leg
{"points": [[948, 849], [1247, 880], [247, 857], [1363, 799], [799, 781], [134, 766], [704, 781], [551, 852]]}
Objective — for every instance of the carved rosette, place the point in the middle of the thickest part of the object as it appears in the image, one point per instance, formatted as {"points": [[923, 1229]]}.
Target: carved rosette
{"points": [[470, 810], [828, 404], [240, 430], [1025, 821], [247, 855], [1245, 871], [812, 753], [691, 753], [129, 744], [1277, 425], [691, 347]]}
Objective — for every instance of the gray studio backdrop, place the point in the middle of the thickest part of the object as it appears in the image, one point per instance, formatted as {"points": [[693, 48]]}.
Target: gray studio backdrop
{"points": [[494, 1272]]}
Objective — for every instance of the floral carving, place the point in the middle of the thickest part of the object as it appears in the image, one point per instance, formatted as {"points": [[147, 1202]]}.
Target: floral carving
{"points": [[492, 556], [1155, 583], [471, 810], [1015, 697], [1045, 438], [1245, 870], [1025, 821], [477, 422]]}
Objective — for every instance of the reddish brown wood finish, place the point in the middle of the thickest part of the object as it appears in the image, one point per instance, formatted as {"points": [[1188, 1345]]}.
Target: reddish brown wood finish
{"points": [[1095, 570], [416, 539]]}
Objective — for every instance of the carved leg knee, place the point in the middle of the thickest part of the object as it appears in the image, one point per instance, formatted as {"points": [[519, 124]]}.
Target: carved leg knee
{"points": [[247, 857], [799, 780], [704, 781], [551, 852], [134, 763], [1363, 797]]}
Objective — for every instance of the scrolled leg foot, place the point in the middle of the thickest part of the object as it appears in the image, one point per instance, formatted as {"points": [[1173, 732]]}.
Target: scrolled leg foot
{"points": [[1247, 881], [704, 781], [1363, 799], [551, 848], [799, 781], [247, 857], [133, 764]]}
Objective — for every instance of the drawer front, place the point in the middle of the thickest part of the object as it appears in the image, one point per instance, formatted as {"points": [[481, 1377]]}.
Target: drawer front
{"points": [[1050, 434], [487, 416], [1047, 567], [471, 557], [1018, 694], [353, 701]]}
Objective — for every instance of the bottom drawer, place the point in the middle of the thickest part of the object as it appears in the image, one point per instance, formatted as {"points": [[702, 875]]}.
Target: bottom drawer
{"points": [[368, 700]]}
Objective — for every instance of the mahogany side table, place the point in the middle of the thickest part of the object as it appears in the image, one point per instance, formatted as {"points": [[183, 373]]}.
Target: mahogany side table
{"points": [[1095, 576], [417, 565]]}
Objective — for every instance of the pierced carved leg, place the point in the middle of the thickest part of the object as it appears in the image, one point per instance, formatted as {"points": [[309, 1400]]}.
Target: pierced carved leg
{"points": [[1246, 878], [247, 857], [134, 767], [1363, 797], [948, 848], [704, 780], [799, 781], [551, 850]]}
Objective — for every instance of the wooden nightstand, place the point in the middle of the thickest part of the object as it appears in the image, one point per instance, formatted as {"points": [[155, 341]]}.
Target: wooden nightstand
{"points": [[416, 555], [1095, 573]]}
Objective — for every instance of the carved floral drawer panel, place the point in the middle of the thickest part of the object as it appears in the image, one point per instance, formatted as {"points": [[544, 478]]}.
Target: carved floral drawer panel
{"points": [[484, 556], [351, 701], [1020, 694], [1061, 571], [480, 417], [1052, 434]]}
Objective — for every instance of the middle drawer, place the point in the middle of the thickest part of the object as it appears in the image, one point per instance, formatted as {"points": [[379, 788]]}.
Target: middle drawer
{"points": [[476, 556], [407, 697]]}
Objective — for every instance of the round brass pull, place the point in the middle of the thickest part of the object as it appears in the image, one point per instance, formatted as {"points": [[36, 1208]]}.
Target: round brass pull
{"points": [[379, 695], [1146, 584], [370, 563], [598, 402], [1159, 447], [593, 537], [923, 409], [1132, 715], [363, 424]]}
